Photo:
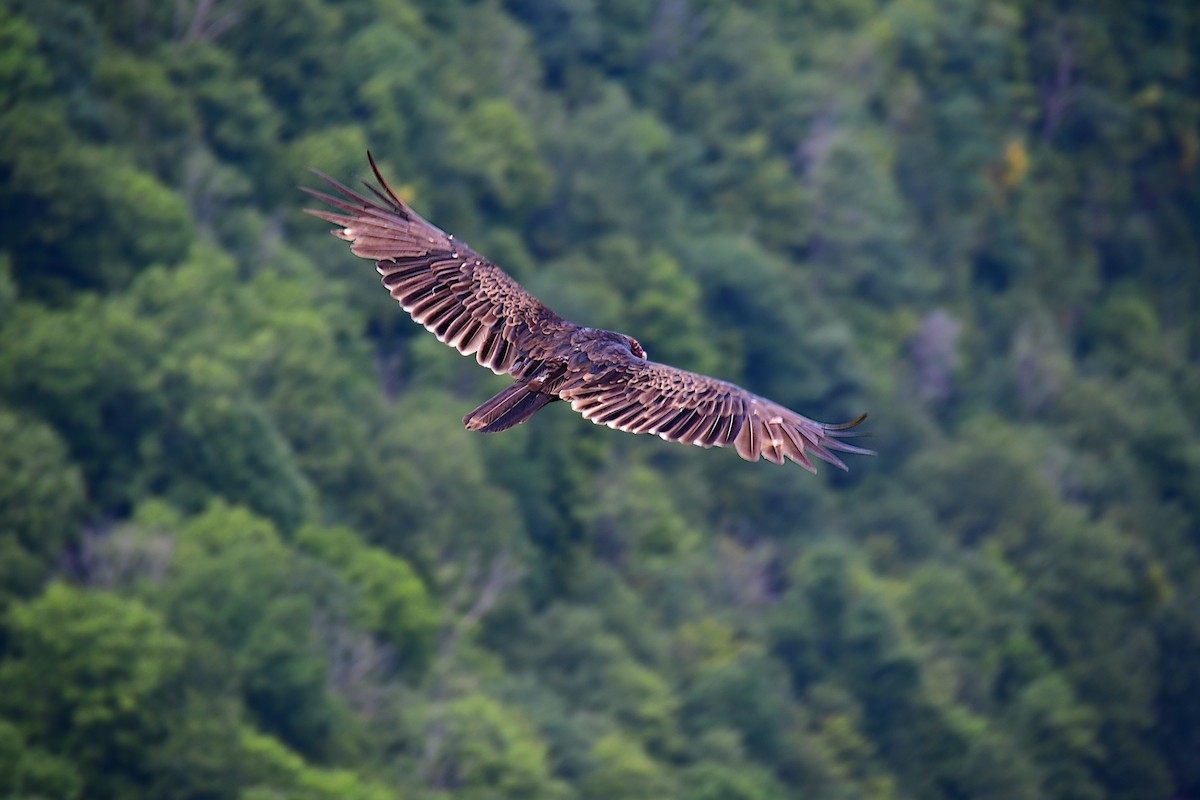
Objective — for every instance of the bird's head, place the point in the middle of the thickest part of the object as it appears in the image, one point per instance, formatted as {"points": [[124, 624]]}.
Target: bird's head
{"points": [[636, 347]]}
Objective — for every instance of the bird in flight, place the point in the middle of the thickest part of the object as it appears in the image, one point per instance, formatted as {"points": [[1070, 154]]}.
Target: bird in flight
{"points": [[475, 307]]}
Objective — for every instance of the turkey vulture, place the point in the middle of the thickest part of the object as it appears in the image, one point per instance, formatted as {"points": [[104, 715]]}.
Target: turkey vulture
{"points": [[474, 306]]}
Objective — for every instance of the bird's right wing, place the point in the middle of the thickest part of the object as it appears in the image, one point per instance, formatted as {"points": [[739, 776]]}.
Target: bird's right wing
{"points": [[641, 396], [465, 300]]}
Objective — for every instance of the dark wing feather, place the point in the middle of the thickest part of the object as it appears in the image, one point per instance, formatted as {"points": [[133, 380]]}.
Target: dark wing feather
{"points": [[646, 397], [465, 300]]}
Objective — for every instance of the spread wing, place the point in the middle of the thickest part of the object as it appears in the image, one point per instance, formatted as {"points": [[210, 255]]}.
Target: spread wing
{"points": [[641, 396], [465, 300]]}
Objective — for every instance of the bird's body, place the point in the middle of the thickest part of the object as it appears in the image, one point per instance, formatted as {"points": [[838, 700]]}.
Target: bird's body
{"points": [[474, 306], [590, 359]]}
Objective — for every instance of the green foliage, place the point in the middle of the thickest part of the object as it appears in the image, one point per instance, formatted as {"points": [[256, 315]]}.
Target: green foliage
{"points": [[1065, 733], [489, 751], [150, 378], [84, 674], [307, 82], [247, 550], [633, 519], [496, 153], [594, 668], [237, 120], [34, 772], [744, 696], [278, 772], [242, 594], [143, 111], [203, 754], [23, 73], [709, 781], [101, 218], [393, 601], [41, 503], [623, 771]]}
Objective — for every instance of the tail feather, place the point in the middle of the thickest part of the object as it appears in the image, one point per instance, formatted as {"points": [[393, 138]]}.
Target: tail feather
{"points": [[511, 407]]}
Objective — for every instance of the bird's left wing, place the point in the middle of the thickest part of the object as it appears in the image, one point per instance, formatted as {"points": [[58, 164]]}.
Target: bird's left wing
{"points": [[465, 300], [641, 396]]}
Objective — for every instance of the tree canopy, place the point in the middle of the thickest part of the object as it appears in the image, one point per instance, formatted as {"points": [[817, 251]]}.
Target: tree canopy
{"points": [[247, 551]]}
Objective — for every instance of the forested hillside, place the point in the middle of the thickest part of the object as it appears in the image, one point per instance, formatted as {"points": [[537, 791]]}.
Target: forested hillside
{"points": [[248, 551]]}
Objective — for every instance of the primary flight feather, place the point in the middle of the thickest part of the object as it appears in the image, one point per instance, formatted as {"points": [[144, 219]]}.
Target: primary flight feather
{"points": [[475, 307]]}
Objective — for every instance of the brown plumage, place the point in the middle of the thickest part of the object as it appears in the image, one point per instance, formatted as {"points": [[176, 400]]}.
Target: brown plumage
{"points": [[474, 306]]}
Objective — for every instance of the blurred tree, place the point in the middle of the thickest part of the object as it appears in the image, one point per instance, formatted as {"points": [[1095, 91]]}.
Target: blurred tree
{"points": [[973, 217], [101, 218], [623, 771], [87, 388], [1062, 737], [393, 602], [248, 600], [593, 669], [862, 236], [143, 111], [749, 695], [24, 74], [33, 772], [308, 82], [448, 512], [41, 504], [568, 35], [1176, 708], [605, 159], [496, 153], [201, 754], [278, 772], [238, 121], [69, 41], [85, 674], [987, 484], [709, 781], [483, 750], [633, 520]]}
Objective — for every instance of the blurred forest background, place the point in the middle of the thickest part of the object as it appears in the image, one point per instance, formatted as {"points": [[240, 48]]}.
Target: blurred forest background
{"points": [[248, 551]]}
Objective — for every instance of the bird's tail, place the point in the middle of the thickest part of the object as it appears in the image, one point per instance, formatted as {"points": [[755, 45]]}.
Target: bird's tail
{"points": [[511, 407]]}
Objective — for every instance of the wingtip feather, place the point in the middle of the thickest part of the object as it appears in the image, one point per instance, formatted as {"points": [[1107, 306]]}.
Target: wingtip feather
{"points": [[384, 184], [845, 426]]}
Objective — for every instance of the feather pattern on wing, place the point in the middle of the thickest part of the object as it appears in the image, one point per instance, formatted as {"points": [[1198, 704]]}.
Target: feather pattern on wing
{"points": [[462, 298], [641, 396]]}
